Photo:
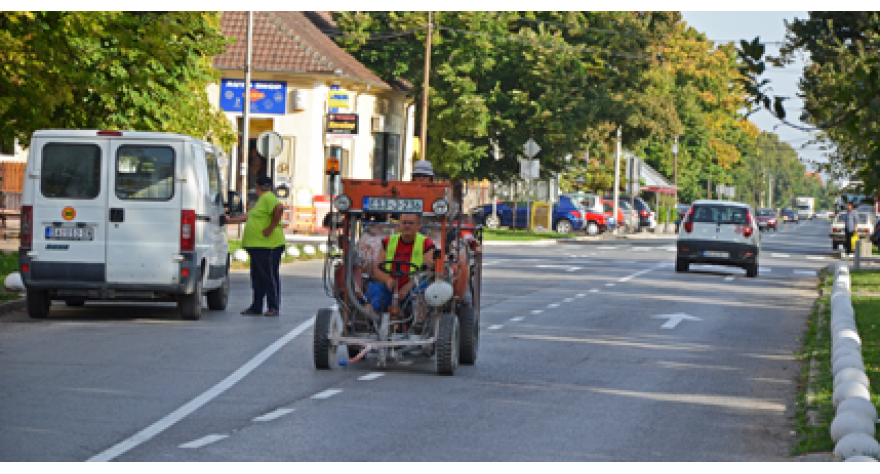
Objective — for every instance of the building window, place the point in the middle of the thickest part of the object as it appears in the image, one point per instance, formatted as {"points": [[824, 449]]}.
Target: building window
{"points": [[386, 156]]}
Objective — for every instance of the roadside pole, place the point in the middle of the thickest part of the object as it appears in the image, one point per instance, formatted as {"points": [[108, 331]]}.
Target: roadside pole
{"points": [[617, 181], [246, 112]]}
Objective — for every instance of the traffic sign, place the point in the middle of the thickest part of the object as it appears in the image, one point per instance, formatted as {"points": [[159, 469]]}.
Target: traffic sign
{"points": [[269, 144], [531, 148]]}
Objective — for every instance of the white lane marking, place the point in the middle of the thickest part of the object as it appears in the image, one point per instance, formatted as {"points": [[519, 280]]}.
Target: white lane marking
{"points": [[491, 262], [404, 362], [609, 284], [568, 300], [326, 394], [625, 261], [811, 257], [496, 326], [628, 278], [765, 269], [204, 441], [675, 319], [371, 376], [553, 305], [805, 272], [730, 278], [581, 295], [517, 319], [537, 311], [606, 248], [272, 415], [641, 249], [149, 432], [780, 255], [594, 290], [670, 249]]}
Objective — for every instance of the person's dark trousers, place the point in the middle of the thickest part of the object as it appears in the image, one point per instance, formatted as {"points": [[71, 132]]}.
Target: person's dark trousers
{"points": [[263, 279], [277, 253], [847, 242]]}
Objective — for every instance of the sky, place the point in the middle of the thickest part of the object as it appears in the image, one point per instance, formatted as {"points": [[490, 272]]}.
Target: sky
{"points": [[733, 26]]}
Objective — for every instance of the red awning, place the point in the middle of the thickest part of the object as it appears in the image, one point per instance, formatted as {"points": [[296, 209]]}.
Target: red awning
{"points": [[658, 189]]}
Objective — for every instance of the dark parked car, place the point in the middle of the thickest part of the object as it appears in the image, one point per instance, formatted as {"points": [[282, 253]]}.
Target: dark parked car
{"points": [[644, 212], [567, 217]]}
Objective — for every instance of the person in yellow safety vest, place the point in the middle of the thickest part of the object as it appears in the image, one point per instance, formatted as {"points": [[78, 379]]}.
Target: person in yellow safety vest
{"points": [[409, 245]]}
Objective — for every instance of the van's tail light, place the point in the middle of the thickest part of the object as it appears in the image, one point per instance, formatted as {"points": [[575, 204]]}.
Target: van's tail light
{"points": [[187, 230], [27, 226]]}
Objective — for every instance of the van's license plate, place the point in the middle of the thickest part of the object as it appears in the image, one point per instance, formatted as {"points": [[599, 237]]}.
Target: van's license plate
{"points": [[708, 253], [70, 233], [381, 204]]}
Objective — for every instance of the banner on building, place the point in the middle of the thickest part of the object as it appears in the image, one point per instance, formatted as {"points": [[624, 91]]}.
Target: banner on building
{"points": [[342, 125], [267, 97], [338, 99]]}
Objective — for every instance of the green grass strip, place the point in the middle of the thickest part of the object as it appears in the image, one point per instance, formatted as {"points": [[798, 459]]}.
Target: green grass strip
{"points": [[521, 235]]}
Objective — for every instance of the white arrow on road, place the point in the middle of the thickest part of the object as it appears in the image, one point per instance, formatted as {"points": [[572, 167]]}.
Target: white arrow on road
{"points": [[674, 319]]}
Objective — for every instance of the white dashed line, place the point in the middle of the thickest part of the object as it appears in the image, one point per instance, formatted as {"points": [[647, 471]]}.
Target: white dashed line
{"points": [[495, 327], [780, 255], [405, 362], [272, 415], [537, 311], [765, 269], [326, 394], [628, 278], [609, 284], [371, 376], [517, 319], [581, 295], [606, 248], [805, 272], [815, 258], [641, 249], [568, 300], [730, 278], [203, 441], [553, 305], [594, 290]]}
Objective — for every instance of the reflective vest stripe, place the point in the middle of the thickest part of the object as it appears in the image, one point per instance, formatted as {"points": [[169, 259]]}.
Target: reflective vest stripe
{"points": [[418, 252]]}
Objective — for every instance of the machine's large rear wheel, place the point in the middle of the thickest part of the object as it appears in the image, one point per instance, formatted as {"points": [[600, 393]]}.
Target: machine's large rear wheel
{"points": [[323, 349], [448, 339], [469, 325]]}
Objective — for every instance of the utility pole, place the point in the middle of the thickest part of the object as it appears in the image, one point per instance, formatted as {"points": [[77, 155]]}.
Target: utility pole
{"points": [[709, 188], [246, 109], [617, 178], [770, 191], [675, 167], [423, 145]]}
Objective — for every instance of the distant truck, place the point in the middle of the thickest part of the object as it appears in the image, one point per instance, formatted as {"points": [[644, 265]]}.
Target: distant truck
{"points": [[806, 207]]}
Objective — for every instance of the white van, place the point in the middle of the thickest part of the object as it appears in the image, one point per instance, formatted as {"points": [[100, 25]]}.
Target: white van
{"points": [[123, 215]]}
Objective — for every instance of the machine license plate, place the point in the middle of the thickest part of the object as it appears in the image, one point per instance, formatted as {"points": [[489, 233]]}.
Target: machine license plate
{"points": [[708, 253], [70, 233], [381, 204]]}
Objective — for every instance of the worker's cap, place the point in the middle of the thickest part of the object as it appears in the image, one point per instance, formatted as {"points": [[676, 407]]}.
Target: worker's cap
{"points": [[264, 182], [423, 168]]}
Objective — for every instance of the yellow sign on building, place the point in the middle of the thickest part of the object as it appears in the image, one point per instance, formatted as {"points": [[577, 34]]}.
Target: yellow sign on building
{"points": [[338, 99]]}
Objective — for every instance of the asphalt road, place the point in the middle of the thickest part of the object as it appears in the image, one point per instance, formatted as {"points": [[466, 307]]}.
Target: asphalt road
{"points": [[590, 351]]}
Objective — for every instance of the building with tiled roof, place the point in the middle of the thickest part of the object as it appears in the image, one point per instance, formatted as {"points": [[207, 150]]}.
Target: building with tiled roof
{"points": [[814, 174], [297, 70]]}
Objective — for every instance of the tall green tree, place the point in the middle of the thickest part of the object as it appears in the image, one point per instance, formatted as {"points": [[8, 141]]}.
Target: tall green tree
{"points": [[113, 70]]}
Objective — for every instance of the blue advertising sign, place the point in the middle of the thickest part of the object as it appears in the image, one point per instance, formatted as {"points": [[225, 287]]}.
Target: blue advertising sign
{"points": [[267, 97]]}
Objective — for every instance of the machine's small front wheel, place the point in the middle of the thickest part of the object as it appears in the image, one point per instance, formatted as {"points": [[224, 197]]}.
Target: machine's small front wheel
{"points": [[323, 349], [447, 345]]}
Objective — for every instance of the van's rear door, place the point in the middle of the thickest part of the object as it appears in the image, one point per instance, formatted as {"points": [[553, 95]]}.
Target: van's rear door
{"points": [[143, 230], [69, 202]]}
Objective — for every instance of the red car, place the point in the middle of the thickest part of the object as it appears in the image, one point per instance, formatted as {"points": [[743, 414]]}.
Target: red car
{"points": [[767, 220]]}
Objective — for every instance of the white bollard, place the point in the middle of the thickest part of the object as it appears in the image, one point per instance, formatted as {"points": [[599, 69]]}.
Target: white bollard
{"points": [[846, 334], [847, 345], [851, 375], [293, 251], [309, 250], [859, 406], [13, 282], [849, 389], [241, 255], [322, 248], [847, 362], [844, 351], [857, 444], [850, 422]]}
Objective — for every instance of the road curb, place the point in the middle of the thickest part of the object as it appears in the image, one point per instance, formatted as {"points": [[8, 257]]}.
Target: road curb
{"points": [[851, 430], [602, 238], [13, 305]]}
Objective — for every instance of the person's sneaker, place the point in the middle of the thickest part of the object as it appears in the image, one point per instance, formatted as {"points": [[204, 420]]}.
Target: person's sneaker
{"points": [[271, 312]]}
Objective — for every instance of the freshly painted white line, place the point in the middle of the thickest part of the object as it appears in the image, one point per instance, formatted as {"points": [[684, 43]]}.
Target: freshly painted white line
{"points": [[405, 362], [371, 376], [609, 284], [203, 441], [581, 295], [272, 415], [553, 305], [765, 269], [149, 432], [594, 290], [495, 326], [730, 278], [780, 255], [606, 248], [517, 319], [812, 257], [568, 300], [326, 394], [805, 272], [641, 249], [568, 268], [628, 278], [674, 319], [537, 311]]}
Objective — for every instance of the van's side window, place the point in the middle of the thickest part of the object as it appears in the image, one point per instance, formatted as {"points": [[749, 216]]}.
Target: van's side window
{"points": [[214, 178], [145, 173], [71, 171]]}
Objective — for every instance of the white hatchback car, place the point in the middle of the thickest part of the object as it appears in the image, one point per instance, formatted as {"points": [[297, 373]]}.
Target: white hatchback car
{"points": [[719, 233]]}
